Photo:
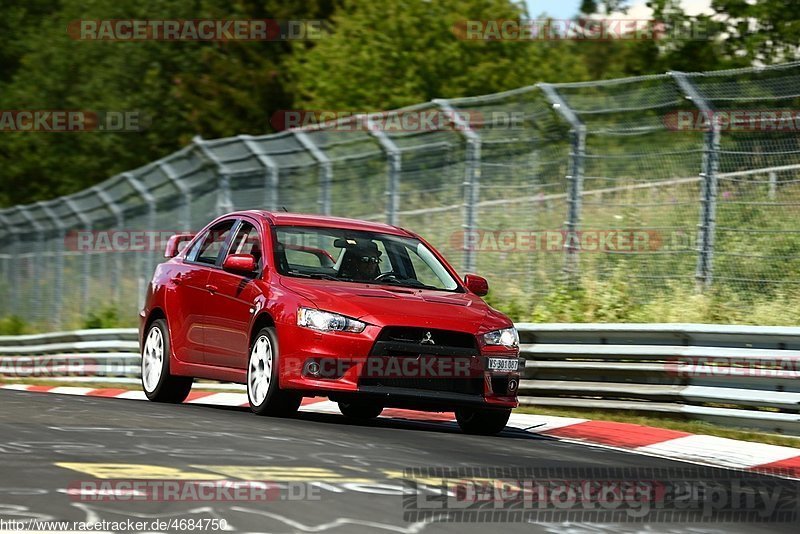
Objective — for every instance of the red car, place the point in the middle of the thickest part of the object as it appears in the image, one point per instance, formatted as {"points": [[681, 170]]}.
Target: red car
{"points": [[366, 314]]}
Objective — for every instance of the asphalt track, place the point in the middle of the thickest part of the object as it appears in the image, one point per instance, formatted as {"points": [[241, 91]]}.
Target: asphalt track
{"points": [[339, 476]]}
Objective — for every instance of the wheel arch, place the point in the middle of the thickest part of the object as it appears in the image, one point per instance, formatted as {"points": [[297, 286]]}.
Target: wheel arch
{"points": [[263, 320], [155, 314]]}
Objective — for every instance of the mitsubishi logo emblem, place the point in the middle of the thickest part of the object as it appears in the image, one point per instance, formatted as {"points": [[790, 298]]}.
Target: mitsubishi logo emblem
{"points": [[427, 339]]}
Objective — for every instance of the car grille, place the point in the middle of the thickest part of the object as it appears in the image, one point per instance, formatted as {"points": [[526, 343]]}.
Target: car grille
{"points": [[459, 349], [440, 338]]}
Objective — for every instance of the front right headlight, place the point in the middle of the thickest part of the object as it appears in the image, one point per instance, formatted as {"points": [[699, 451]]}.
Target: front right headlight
{"points": [[507, 337], [327, 321]]}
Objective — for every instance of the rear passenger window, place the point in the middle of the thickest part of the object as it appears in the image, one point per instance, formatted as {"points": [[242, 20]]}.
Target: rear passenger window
{"points": [[208, 247]]}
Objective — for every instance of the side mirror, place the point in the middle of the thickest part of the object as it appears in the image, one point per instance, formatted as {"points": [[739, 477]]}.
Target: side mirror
{"points": [[240, 263], [174, 244], [476, 284]]}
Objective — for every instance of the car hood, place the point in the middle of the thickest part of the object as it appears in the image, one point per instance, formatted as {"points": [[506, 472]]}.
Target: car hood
{"points": [[398, 306]]}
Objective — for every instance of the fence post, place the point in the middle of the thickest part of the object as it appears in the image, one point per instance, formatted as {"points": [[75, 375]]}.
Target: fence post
{"points": [[14, 271], [224, 203], [87, 272], [272, 176], [119, 215], [394, 158], [773, 184], [59, 263], [472, 180], [186, 194], [325, 169], [708, 194], [575, 177], [37, 299], [150, 200]]}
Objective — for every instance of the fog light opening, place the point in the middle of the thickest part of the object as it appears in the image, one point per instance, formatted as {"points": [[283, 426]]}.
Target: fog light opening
{"points": [[312, 368], [513, 384]]}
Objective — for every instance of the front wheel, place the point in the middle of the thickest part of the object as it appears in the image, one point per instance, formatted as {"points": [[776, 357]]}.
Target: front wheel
{"points": [[265, 397], [482, 421], [360, 410], [157, 382]]}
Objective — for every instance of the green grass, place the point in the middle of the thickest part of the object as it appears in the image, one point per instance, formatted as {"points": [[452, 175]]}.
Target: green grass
{"points": [[669, 421]]}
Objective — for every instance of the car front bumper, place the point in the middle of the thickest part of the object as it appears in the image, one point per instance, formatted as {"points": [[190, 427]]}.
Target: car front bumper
{"points": [[346, 366]]}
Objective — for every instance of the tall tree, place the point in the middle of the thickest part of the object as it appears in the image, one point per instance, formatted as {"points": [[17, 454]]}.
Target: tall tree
{"points": [[383, 55], [214, 89], [766, 31]]}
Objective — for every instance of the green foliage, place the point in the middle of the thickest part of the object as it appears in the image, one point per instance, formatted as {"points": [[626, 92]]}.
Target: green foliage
{"points": [[616, 301], [180, 89], [106, 317], [13, 325], [765, 31], [377, 55], [385, 55]]}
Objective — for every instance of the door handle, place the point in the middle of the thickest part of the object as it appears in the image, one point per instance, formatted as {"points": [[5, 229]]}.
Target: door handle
{"points": [[211, 288], [177, 279]]}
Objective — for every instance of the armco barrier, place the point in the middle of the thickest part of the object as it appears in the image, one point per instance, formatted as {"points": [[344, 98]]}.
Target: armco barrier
{"points": [[737, 375]]}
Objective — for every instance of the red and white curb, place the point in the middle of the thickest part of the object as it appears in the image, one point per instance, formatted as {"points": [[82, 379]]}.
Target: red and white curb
{"points": [[651, 441]]}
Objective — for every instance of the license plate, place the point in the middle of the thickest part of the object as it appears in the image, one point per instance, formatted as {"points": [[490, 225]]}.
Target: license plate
{"points": [[503, 364]]}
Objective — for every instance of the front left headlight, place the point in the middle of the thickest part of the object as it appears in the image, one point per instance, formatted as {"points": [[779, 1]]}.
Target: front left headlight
{"points": [[327, 321], [507, 337]]}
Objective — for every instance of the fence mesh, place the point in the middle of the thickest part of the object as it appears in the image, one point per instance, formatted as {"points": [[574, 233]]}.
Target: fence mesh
{"points": [[678, 179]]}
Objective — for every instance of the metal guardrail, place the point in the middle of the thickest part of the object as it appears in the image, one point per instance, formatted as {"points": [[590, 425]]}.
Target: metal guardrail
{"points": [[745, 376], [736, 375], [79, 355]]}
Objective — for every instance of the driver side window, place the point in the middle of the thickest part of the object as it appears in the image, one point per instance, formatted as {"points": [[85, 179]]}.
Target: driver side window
{"points": [[247, 241]]}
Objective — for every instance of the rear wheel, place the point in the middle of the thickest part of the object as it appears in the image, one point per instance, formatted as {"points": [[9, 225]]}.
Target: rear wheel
{"points": [[482, 421], [265, 397], [157, 382], [360, 410]]}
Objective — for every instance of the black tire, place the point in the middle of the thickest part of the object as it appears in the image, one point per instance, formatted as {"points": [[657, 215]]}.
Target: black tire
{"points": [[360, 410], [276, 401], [482, 421], [167, 388]]}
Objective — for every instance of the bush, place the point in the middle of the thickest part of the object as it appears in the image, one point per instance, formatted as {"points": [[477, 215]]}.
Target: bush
{"points": [[13, 325], [107, 317], [616, 299]]}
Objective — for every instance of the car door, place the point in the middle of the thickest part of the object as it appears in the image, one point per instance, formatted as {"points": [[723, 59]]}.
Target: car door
{"points": [[233, 303], [188, 301]]}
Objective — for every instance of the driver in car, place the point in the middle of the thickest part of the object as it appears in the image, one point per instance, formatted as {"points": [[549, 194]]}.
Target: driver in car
{"points": [[361, 262]]}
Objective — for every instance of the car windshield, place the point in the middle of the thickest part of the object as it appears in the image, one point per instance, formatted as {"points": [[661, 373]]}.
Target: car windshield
{"points": [[357, 256]]}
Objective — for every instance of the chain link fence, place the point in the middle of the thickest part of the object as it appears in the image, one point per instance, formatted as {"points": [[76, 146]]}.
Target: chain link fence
{"points": [[677, 179]]}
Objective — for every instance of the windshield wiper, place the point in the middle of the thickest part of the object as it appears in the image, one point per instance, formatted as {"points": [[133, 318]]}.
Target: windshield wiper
{"points": [[320, 276], [406, 282]]}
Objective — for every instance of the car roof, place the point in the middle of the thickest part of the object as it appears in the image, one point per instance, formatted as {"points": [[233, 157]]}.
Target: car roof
{"points": [[306, 219]]}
